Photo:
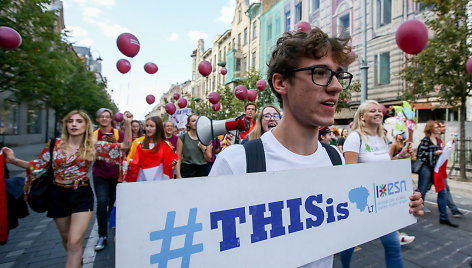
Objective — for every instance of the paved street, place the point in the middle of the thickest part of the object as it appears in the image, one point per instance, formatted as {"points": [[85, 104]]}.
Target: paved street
{"points": [[36, 242]]}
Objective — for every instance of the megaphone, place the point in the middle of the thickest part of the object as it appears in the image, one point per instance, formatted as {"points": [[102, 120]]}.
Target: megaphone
{"points": [[208, 128]]}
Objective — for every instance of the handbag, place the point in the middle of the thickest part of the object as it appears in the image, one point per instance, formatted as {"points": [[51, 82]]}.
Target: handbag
{"points": [[416, 166], [39, 196]]}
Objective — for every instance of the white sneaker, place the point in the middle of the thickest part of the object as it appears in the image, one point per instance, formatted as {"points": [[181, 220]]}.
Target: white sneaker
{"points": [[426, 210], [102, 240], [405, 239]]}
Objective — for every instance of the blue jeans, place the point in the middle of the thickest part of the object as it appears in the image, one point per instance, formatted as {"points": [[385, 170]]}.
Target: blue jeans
{"points": [[425, 180], [393, 252]]}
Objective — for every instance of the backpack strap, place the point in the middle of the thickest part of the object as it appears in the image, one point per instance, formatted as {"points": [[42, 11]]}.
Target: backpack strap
{"points": [[52, 143], [333, 154], [255, 157]]}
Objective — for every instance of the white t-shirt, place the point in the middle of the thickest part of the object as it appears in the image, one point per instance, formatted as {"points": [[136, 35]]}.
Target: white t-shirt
{"points": [[232, 160], [374, 150]]}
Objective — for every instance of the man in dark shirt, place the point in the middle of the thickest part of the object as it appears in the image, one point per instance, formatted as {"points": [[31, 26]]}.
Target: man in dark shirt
{"points": [[105, 175]]}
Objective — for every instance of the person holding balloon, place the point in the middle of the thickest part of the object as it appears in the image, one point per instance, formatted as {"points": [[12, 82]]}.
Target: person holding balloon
{"points": [[71, 196], [193, 155]]}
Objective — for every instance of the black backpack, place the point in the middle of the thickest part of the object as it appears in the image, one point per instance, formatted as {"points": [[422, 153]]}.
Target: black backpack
{"points": [[255, 157]]}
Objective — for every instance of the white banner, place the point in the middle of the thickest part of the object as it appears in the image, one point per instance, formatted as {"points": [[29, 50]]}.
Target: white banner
{"points": [[271, 219], [179, 118]]}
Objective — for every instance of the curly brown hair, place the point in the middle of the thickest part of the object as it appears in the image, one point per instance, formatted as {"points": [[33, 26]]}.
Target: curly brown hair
{"points": [[292, 46]]}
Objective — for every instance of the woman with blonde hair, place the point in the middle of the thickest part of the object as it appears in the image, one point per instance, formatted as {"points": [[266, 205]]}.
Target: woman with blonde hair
{"points": [[367, 144], [268, 118], [71, 196]]}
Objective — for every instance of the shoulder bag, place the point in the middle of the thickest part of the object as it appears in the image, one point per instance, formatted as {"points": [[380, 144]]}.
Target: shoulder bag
{"points": [[40, 192]]}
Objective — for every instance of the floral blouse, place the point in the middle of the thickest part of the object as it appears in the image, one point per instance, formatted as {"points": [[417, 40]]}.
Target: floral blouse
{"points": [[70, 167]]}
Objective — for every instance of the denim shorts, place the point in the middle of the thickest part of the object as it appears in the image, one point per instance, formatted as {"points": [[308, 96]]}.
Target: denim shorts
{"points": [[65, 201]]}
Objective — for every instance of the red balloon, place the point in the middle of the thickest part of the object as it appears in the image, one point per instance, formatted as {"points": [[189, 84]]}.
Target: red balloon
{"points": [[412, 36], [261, 85], [224, 71], [182, 103], [214, 97], [216, 106], [128, 44], [170, 108], [9, 38], [241, 92], [118, 117], [204, 67], [150, 68], [469, 65], [123, 66], [176, 96], [304, 26], [150, 99], [251, 95]]}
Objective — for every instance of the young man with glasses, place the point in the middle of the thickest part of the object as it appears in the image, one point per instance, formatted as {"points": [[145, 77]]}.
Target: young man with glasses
{"points": [[306, 74], [105, 175]]}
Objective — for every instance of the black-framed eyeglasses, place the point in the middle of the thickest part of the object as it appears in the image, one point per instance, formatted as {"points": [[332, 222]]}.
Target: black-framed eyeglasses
{"points": [[268, 116], [322, 75]]}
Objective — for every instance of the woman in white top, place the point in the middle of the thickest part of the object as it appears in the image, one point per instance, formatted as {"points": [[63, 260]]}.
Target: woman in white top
{"points": [[367, 144]]}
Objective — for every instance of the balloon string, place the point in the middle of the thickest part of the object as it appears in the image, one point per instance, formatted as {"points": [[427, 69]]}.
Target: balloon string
{"points": [[129, 82]]}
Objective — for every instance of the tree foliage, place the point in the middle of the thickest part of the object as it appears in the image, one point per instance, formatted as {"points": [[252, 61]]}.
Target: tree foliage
{"points": [[439, 70], [44, 71]]}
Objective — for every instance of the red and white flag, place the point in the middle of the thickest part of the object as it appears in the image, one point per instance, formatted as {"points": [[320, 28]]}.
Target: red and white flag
{"points": [[151, 164], [440, 173], [3, 202]]}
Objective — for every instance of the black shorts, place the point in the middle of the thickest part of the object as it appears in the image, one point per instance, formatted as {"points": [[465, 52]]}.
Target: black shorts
{"points": [[65, 201], [192, 170]]}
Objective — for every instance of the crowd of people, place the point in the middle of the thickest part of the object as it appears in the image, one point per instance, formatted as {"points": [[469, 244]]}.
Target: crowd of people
{"points": [[305, 73]]}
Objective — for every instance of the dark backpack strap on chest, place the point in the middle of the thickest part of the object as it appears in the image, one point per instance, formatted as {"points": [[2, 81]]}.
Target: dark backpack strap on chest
{"points": [[255, 157], [333, 154]]}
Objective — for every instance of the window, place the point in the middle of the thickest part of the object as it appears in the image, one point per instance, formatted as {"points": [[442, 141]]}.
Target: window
{"points": [[269, 31], [315, 5], [9, 118], [243, 64], [33, 123], [245, 35], [254, 30], [234, 43], [247, 2], [384, 12], [254, 59], [344, 25], [237, 67], [382, 68], [298, 12], [239, 40], [224, 53], [287, 21]]}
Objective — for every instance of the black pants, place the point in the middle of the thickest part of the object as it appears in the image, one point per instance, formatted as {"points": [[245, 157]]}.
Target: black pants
{"points": [[105, 190], [192, 170]]}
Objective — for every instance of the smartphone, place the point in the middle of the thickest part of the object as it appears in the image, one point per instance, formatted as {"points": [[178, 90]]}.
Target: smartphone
{"points": [[108, 134]]}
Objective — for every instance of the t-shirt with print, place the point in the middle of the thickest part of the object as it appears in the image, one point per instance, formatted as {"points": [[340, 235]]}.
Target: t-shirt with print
{"points": [[232, 160], [373, 150]]}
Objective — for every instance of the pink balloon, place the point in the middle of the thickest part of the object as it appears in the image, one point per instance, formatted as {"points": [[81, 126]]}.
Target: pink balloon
{"points": [[204, 67], [118, 117], [170, 108], [412, 36], [128, 44], [123, 66], [150, 68], [176, 96], [304, 26], [224, 71], [216, 106], [150, 99], [214, 97], [241, 92], [251, 95], [469, 65], [261, 85], [182, 103], [9, 38]]}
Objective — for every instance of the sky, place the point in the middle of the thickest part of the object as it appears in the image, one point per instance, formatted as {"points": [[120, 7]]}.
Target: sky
{"points": [[168, 32]]}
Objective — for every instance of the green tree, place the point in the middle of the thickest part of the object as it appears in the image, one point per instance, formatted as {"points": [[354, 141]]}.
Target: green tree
{"points": [[439, 70]]}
